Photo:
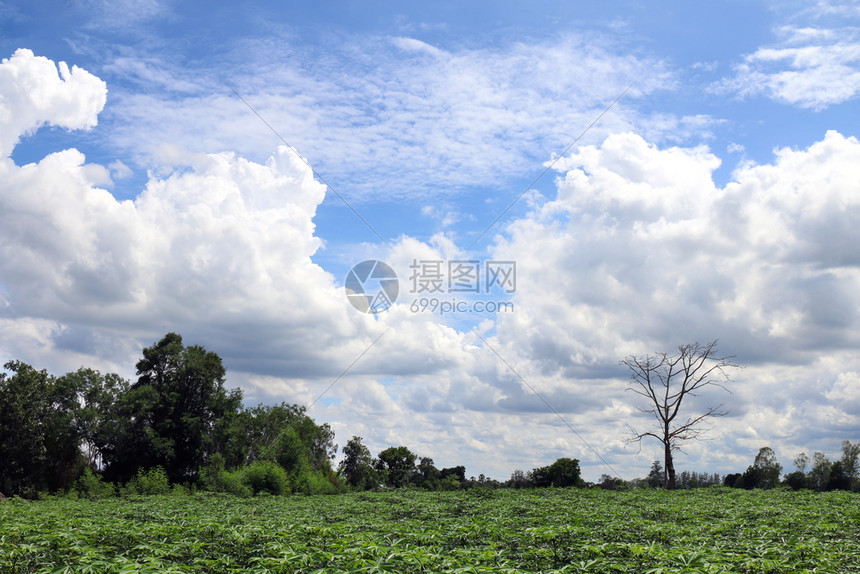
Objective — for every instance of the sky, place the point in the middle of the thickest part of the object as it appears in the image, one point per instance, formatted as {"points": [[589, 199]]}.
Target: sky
{"points": [[551, 186]]}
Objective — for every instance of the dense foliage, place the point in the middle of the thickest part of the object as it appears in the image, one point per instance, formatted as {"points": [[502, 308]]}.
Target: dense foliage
{"points": [[650, 531], [100, 435]]}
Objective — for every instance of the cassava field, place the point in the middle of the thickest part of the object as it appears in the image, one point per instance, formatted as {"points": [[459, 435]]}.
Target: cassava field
{"points": [[563, 530]]}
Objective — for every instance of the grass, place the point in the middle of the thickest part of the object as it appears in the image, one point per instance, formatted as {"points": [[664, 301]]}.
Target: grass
{"points": [[555, 530]]}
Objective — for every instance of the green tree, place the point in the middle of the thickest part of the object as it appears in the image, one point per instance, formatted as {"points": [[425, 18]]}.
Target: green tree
{"points": [[564, 472], [766, 470], [427, 475], [656, 476], [519, 479], [819, 475], [283, 434], [665, 381], [170, 414], [838, 479], [357, 465], [540, 477], [851, 462], [796, 480], [95, 414], [398, 465], [801, 461], [39, 443]]}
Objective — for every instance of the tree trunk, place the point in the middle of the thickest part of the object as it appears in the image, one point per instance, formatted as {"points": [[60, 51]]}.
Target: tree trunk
{"points": [[670, 483]]}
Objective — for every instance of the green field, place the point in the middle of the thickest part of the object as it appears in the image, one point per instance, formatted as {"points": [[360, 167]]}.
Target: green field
{"points": [[555, 530]]}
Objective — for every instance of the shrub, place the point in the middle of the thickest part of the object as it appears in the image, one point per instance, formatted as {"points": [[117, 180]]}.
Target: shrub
{"points": [[152, 481], [213, 476], [90, 485], [796, 480], [309, 482], [266, 476]]}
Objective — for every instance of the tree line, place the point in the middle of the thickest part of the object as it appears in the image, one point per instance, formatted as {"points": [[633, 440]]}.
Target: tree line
{"points": [[178, 427], [818, 473]]}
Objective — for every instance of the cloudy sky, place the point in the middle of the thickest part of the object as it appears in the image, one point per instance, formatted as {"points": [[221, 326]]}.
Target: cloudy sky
{"points": [[660, 175]]}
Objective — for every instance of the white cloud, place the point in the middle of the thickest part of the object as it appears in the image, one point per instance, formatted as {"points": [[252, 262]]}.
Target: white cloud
{"points": [[420, 115], [641, 252], [119, 170], [34, 91], [810, 67], [638, 251], [121, 14]]}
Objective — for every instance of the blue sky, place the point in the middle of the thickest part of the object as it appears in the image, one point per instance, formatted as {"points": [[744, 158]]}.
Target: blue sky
{"points": [[714, 200]]}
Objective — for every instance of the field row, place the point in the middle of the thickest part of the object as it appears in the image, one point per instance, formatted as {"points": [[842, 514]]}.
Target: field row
{"points": [[553, 530]]}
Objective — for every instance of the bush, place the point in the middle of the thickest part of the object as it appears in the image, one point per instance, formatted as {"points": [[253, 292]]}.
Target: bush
{"points": [[152, 481], [266, 476], [215, 478], [796, 480], [309, 482], [90, 485]]}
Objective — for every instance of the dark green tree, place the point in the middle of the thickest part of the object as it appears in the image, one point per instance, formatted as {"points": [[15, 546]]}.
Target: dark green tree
{"points": [[96, 419], [458, 472], [564, 472], [518, 479], [851, 463], [819, 476], [39, 442], [398, 465], [764, 472], [733, 480], [540, 477], [838, 479], [656, 476], [427, 475], [171, 413], [357, 465], [795, 480]]}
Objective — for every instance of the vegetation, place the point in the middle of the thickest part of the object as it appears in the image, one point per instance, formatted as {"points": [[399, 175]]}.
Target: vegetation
{"points": [[178, 429], [654, 531], [176, 425]]}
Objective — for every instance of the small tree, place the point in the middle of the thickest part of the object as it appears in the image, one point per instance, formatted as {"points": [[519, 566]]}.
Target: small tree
{"points": [[838, 479], [398, 465], [656, 476], [565, 472], [519, 480], [819, 476], [851, 462], [666, 380], [801, 461], [764, 472], [357, 464]]}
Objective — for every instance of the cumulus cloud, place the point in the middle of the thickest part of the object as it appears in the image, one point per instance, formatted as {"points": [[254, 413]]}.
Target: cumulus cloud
{"points": [[220, 245], [34, 91], [638, 251]]}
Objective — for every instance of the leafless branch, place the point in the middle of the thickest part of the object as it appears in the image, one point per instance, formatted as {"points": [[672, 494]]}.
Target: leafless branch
{"points": [[665, 380]]}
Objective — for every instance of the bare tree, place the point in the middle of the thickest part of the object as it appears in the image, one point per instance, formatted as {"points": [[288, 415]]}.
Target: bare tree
{"points": [[665, 380]]}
